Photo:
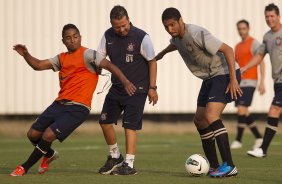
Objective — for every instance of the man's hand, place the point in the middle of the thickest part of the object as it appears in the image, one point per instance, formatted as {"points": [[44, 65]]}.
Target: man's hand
{"points": [[234, 89], [153, 96], [243, 70], [129, 87], [21, 49], [261, 88]]}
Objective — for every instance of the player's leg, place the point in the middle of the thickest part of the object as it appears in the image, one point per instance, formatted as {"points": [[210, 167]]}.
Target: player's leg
{"points": [[42, 148], [130, 138], [213, 113], [110, 114], [207, 137], [206, 134], [35, 133], [132, 121], [69, 118], [242, 114], [272, 123], [271, 128], [248, 93], [270, 131], [215, 105]]}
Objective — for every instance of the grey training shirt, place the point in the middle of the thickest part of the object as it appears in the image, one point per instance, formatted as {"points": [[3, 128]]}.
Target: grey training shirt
{"points": [[272, 44], [203, 61]]}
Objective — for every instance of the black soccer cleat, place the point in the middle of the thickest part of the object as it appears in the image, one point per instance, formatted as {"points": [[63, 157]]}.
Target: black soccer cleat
{"points": [[111, 164], [124, 170]]}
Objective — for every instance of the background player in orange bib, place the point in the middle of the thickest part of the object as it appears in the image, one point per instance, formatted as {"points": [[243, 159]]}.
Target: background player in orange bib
{"points": [[244, 51]]}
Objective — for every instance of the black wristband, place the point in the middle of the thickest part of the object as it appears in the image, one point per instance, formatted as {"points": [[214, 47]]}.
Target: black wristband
{"points": [[153, 87]]}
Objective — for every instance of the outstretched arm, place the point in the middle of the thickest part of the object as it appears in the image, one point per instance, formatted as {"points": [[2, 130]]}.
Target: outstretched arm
{"points": [[230, 59], [169, 48], [128, 86], [35, 63], [257, 59]]}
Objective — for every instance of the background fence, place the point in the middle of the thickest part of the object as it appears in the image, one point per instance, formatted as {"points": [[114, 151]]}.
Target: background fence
{"points": [[38, 25]]}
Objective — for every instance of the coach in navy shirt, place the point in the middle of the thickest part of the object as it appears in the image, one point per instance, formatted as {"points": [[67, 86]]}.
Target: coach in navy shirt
{"points": [[131, 50]]}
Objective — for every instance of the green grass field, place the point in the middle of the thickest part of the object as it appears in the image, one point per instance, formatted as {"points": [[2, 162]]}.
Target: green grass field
{"points": [[160, 159]]}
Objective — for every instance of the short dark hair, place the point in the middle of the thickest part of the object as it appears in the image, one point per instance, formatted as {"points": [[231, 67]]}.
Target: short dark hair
{"points": [[67, 27], [272, 7], [118, 12], [243, 21], [171, 13]]}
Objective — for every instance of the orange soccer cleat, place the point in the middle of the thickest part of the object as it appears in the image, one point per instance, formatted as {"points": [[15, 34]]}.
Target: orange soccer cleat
{"points": [[44, 166], [19, 171]]}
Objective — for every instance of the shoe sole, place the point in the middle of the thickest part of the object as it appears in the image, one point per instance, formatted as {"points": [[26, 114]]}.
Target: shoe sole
{"points": [[227, 175], [109, 171], [116, 174], [15, 175], [255, 156]]}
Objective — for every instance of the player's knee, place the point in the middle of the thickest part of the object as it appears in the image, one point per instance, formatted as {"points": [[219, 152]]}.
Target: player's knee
{"points": [[49, 135], [211, 118], [200, 123], [30, 135], [274, 111]]}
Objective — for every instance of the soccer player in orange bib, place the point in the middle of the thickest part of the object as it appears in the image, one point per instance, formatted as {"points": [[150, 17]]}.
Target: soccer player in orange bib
{"points": [[78, 77], [244, 51]]}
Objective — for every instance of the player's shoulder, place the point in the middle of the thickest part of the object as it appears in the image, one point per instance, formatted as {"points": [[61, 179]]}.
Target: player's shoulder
{"points": [[196, 30], [135, 31], [267, 35]]}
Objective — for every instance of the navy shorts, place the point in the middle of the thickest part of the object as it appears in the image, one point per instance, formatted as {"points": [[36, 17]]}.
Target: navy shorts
{"points": [[213, 90], [131, 106], [62, 119], [246, 98], [277, 100]]}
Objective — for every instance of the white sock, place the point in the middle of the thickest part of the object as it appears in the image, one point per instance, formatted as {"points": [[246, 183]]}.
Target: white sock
{"points": [[129, 159], [114, 151]]}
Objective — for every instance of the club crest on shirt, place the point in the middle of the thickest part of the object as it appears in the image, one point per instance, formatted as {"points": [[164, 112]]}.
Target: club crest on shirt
{"points": [[130, 47], [278, 41], [189, 47]]}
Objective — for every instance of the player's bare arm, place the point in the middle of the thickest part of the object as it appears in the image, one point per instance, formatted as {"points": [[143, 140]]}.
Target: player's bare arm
{"points": [[261, 87], [128, 86], [233, 86], [257, 59], [152, 94], [169, 48], [35, 63]]}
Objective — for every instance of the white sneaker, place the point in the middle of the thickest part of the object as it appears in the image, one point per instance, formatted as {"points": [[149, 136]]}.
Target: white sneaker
{"points": [[258, 152], [258, 143], [236, 145]]}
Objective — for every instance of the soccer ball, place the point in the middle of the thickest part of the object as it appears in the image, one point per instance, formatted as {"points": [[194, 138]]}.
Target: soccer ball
{"points": [[197, 165]]}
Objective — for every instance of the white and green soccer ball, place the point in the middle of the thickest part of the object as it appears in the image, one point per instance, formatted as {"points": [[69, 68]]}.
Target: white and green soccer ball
{"points": [[197, 165]]}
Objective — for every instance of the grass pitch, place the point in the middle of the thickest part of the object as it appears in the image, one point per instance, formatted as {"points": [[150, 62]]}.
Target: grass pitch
{"points": [[160, 160]]}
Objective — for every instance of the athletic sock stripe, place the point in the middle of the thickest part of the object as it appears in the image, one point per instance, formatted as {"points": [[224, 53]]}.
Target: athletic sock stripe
{"points": [[252, 125], [224, 132], [241, 125], [274, 128], [207, 134], [44, 152], [207, 137], [219, 130]]}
